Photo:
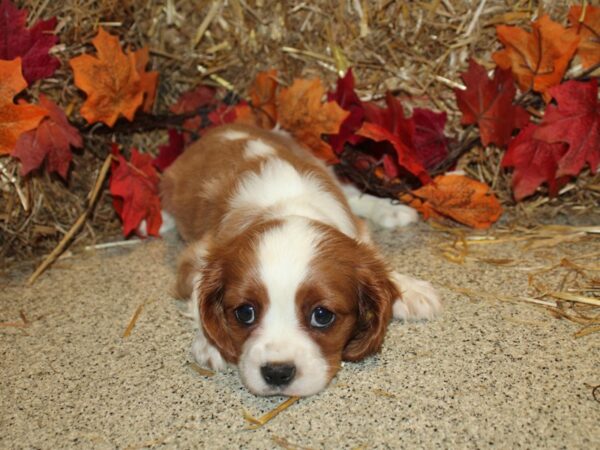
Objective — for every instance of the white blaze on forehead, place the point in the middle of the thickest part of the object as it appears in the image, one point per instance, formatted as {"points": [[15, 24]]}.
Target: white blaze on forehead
{"points": [[284, 255], [234, 135], [258, 149], [287, 192]]}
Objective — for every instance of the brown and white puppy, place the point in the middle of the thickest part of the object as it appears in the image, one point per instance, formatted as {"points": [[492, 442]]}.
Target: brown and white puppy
{"points": [[283, 278]]}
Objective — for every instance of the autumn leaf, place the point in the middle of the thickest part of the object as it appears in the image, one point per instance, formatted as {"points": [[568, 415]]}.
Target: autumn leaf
{"points": [[263, 98], [196, 100], [460, 198], [225, 114], [534, 162], [588, 29], [346, 97], [191, 101], [429, 141], [134, 186], [301, 111], [32, 45], [168, 153], [148, 80], [404, 154], [15, 119], [488, 103], [538, 59], [576, 122], [110, 80], [50, 141]]}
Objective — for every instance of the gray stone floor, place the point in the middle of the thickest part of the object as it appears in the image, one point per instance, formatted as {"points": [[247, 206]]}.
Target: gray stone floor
{"points": [[485, 374]]}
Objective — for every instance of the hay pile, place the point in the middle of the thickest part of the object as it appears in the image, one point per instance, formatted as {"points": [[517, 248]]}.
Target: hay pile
{"points": [[414, 49]]}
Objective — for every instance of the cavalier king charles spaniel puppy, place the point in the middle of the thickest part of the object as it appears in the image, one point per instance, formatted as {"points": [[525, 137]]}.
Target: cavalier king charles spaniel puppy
{"points": [[283, 278]]}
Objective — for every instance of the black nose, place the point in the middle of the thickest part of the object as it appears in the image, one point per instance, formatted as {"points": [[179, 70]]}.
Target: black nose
{"points": [[278, 374]]}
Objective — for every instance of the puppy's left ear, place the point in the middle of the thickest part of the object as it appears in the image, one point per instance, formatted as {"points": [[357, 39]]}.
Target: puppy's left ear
{"points": [[210, 292], [376, 294]]}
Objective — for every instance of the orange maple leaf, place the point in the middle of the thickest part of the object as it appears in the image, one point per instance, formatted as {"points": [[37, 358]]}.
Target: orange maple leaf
{"points": [[301, 111], [538, 59], [110, 80], [588, 28], [263, 98], [148, 80], [458, 197], [15, 119]]}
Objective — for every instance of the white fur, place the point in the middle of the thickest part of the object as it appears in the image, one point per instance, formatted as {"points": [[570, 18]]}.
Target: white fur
{"points": [[258, 149], [282, 191], [234, 135], [168, 223], [419, 299], [284, 254], [380, 210]]}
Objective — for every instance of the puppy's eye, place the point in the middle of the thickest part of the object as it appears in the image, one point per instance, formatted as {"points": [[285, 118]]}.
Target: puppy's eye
{"points": [[245, 314], [321, 317]]}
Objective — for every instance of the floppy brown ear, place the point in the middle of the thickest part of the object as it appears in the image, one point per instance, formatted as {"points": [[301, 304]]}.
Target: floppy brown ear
{"points": [[376, 294], [210, 292]]}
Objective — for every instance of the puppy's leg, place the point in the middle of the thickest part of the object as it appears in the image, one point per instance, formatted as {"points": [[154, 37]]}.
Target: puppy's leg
{"points": [[205, 354], [419, 299], [380, 210]]}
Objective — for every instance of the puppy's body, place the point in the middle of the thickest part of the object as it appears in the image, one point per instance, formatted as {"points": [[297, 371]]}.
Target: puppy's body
{"points": [[283, 278]]}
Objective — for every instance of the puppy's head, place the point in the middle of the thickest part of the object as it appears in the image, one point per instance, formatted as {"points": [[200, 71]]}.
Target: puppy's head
{"points": [[288, 300]]}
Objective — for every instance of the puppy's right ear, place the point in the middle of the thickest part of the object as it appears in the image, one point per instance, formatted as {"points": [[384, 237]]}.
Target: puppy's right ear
{"points": [[189, 267]]}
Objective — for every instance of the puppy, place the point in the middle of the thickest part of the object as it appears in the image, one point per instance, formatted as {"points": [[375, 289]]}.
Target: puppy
{"points": [[283, 278]]}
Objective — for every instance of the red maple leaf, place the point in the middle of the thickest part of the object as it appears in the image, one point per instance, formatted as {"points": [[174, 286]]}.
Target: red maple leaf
{"points": [[134, 186], [419, 141], [576, 122], [429, 142], [31, 45], [391, 118], [405, 156], [168, 153], [51, 141], [346, 97], [488, 103], [192, 100], [534, 162]]}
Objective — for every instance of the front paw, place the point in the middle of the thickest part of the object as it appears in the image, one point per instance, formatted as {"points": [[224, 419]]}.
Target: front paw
{"points": [[419, 299], [205, 354]]}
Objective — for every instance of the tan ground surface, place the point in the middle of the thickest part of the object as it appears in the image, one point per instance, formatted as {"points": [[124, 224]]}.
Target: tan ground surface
{"points": [[485, 374]]}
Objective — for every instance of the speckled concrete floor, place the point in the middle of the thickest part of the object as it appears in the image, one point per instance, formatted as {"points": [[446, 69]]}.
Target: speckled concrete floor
{"points": [[485, 374]]}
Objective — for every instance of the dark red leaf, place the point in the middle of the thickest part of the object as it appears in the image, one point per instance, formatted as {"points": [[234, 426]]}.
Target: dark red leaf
{"points": [[391, 118], [404, 154], [488, 103], [576, 122], [134, 186], [31, 45], [534, 162], [50, 141], [429, 142], [168, 153], [346, 97]]}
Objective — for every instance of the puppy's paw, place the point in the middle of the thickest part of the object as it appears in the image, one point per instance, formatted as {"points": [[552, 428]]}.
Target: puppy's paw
{"points": [[419, 299], [391, 215], [381, 210], [205, 354]]}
